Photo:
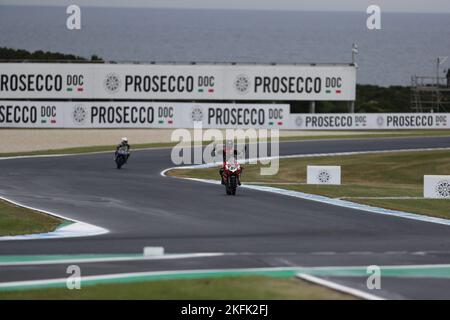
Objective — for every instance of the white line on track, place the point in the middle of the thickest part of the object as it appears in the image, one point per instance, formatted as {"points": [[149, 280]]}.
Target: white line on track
{"points": [[137, 274], [338, 287], [111, 259], [396, 267], [389, 198]]}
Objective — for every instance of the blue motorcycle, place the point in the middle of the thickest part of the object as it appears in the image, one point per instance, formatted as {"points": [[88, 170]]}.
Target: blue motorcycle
{"points": [[121, 157]]}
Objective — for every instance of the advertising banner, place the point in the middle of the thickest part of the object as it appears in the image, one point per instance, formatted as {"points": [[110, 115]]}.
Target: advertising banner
{"points": [[51, 114], [436, 187], [140, 114], [323, 175], [369, 121], [177, 82]]}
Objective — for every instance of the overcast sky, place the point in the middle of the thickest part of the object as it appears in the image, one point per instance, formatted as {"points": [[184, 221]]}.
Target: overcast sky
{"points": [[323, 5]]}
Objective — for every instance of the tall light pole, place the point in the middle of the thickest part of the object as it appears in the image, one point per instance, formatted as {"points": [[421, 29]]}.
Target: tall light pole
{"points": [[351, 105], [354, 52]]}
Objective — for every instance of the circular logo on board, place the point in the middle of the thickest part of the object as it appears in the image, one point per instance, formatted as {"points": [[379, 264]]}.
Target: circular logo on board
{"points": [[380, 121], [242, 83], [79, 114], [324, 176], [299, 121], [112, 83], [197, 114], [443, 189]]}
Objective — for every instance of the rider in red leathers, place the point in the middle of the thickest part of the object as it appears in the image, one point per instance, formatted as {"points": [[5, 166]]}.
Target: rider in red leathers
{"points": [[226, 151]]}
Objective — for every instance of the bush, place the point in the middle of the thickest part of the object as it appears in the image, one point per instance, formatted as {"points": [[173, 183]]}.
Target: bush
{"points": [[43, 56]]}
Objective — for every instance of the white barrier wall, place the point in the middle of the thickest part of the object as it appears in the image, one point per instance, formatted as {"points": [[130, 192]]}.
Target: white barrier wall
{"points": [[136, 114], [177, 82], [323, 175], [436, 187], [369, 121], [47, 114]]}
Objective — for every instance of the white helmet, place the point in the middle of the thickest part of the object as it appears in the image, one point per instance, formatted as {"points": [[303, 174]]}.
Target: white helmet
{"points": [[124, 139]]}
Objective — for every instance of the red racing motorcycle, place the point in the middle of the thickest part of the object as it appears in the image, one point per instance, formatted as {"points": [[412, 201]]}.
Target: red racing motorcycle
{"points": [[231, 176]]}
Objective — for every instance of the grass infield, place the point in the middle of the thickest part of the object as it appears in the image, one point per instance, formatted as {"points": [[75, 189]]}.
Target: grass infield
{"points": [[229, 288], [16, 220]]}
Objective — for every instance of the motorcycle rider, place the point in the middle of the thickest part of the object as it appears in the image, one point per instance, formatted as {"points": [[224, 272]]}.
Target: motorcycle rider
{"points": [[123, 145], [225, 152]]}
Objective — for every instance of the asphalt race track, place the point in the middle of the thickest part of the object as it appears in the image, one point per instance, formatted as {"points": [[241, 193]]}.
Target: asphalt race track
{"points": [[255, 229]]}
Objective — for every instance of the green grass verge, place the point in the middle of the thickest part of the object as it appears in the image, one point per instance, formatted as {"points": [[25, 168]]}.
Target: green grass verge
{"points": [[15, 220], [364, 135], [77, 150], [374, 134], [230, 288], [366, 175]]}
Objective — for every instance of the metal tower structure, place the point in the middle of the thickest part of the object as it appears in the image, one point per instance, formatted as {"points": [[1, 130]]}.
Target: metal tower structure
{"points": [[431, 94]]}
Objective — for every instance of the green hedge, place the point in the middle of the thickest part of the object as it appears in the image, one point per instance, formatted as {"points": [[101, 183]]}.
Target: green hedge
{"points": [[23, 55]]}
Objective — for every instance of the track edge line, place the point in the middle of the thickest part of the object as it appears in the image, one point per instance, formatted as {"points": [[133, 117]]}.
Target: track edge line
{"points": [[76, 229], [337, 287]]}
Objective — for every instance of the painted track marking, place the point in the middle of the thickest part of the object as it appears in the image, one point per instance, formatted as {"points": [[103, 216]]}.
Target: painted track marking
{"points": [[338, 287]]}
